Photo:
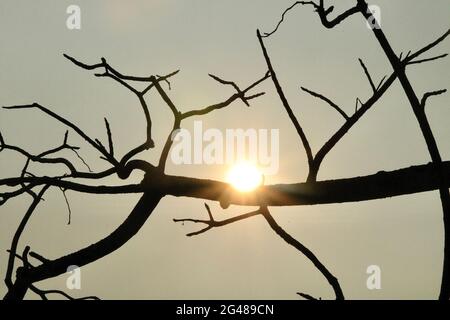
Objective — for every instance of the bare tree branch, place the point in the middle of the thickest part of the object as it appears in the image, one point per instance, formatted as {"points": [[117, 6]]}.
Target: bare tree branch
{"points": [[428, 59], [431, 94], [69, 124], [307, 296], [331, 103], [112, 242], [332, 280], [285, 102], [227, 102], [43, 294], [366, 71], [212, 223], [426, 48], [419, 112], [18, 234], [110, 141]]}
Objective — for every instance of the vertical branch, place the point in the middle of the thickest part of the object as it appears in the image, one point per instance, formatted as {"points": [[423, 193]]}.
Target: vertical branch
{"points": [[427, 133], [17, 235], [285, 102]]}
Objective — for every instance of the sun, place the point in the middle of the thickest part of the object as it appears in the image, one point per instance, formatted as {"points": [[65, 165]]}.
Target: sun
{"points": [[245, 177]]}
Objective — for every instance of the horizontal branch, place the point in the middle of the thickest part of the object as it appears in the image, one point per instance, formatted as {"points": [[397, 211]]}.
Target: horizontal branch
{"points": [[376, 186], [428, 59], [69, 185], [239, 95], [381, 185], [69, 124], [431, 94]]}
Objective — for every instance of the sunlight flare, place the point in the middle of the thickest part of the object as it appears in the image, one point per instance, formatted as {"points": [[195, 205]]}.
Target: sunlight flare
{"points": [[245, 177]]}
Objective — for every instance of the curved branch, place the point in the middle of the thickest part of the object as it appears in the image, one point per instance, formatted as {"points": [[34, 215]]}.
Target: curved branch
{"points": [[112, 242], [18, 234], [332, 280]]}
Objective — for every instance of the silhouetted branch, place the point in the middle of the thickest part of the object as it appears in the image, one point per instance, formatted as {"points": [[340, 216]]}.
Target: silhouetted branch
{"points": [[366, 71], [433, 150], [212, 223], [431, 94], [267, 34], [93, 252], [68, 185], [120, 78], [426, 48], [159, 79], [332, 280], [156, 184], [340, 133], [67, 204], [307, 296], [69, 124], [323, 14], [234, 85], [41, 157], [285, 102], [166, 99], [43, 294], [381, 83], [376, 186], [110, 141], [227, 102], [17, 235], [358, 102], [428, 59], [331, 103], [169, 141], [38, 257]]}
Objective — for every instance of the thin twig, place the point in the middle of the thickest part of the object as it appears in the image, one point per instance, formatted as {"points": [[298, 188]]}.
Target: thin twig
{"points": [[366, 71], [327, 100]]}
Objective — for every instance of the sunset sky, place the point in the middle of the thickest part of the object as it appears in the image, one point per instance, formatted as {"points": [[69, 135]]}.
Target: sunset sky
{"points": [[245, 260]]}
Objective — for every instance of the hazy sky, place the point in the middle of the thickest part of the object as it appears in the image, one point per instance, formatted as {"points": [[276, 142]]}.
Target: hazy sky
{"points": [[402, 235]]}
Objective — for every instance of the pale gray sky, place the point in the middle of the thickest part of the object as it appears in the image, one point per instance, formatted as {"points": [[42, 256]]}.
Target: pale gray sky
{"points": [[402, 235]]}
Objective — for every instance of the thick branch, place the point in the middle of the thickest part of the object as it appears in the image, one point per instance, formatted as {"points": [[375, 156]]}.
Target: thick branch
{"points": [[377, 186], [112, 242], [18, 234]]}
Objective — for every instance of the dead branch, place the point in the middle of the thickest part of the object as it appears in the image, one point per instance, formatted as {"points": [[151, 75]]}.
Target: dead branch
{"points": [[327, 100], [431, 94], [263, 211], [285, 102]]}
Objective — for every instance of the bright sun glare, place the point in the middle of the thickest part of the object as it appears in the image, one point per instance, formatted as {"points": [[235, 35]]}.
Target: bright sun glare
{"points": [[244, 177]]}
